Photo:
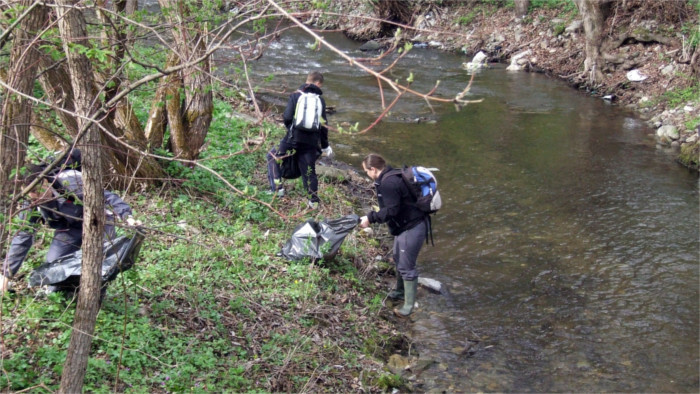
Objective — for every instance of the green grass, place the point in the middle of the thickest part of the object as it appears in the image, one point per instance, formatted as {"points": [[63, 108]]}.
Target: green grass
{"points": [[679, 97], [209, 306]]}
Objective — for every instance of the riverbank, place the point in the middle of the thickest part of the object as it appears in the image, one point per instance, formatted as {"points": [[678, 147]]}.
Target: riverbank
{"points": [[649, 64]]}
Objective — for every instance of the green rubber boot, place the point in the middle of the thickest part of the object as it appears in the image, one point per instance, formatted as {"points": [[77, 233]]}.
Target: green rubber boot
{"points": [[409, 287], [397, 293]]}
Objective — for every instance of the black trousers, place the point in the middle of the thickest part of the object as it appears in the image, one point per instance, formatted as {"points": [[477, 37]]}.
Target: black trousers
{"points": [[307, 165]]}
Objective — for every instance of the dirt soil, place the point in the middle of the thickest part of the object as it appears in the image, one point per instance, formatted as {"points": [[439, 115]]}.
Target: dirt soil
{"points": [[644, 36]]}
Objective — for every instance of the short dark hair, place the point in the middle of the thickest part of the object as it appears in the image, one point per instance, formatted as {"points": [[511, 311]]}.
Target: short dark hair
{"points": [[71, 158], [74, 159], [374, 160], [314, 77]]}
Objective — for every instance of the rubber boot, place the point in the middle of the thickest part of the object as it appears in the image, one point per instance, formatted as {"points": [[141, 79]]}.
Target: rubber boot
{"points": [[409, 287], [397, 293]]}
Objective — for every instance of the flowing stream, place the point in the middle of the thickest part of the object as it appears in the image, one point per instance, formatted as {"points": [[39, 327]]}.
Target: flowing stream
{"points": [[569, 242]]}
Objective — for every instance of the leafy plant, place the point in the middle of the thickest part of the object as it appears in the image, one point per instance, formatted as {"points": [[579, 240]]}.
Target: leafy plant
{"points": [[388, 382], [559, 29], [466, 20], [680, 96]]}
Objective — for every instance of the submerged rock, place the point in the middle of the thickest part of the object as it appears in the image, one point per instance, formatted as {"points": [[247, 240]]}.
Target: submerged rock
{"points": [[370, 46], [431, 284]]}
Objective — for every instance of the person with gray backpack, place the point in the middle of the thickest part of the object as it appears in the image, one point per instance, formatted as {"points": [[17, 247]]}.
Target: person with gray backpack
{"points": [[306, 138]]}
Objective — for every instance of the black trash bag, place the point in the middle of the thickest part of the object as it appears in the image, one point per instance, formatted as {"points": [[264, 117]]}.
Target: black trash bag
{"points": [[64, 273], [289, 168], [319, 240]]}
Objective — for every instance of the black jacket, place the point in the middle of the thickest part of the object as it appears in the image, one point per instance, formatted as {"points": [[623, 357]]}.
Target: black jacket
{"points": [[396, 204], [305, 140]]}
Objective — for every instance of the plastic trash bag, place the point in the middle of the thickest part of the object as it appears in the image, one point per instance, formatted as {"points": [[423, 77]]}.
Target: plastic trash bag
{"points": [[64, 273], [319, 240]]}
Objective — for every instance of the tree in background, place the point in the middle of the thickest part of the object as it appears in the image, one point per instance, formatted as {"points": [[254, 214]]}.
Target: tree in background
{"points": [[593, 13], [17, 106], [73, 32], [189, 104]]}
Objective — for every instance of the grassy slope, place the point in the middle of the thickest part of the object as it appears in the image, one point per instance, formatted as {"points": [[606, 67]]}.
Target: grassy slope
{"points": [[209, 306]]}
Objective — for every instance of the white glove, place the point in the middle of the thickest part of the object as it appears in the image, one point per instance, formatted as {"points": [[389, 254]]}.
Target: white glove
{"points": [[364, 222], [132, 222], [328, 152]]}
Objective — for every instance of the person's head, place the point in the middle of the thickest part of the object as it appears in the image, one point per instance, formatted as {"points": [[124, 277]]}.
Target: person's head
{"points": [[74, 159], [70, 159], [315, 78], [373, 165], [41, 190]]}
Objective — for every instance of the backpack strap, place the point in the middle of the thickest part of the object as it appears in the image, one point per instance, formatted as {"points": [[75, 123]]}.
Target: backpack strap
{"points": [[429, 230]]}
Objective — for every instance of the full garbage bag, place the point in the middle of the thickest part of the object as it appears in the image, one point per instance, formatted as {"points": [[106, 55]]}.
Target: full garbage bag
{"points": [[119, 255], [319, 240]]}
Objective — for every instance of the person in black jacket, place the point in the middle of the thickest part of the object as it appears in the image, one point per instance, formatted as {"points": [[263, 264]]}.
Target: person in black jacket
{"points": [[406, 223], [306, 146], [55, 201]]}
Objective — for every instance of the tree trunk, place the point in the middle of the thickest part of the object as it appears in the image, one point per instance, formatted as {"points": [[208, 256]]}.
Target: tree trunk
{"points": [[695, 62], [55, 82], [122, 121], [400, 11], [72, 27], [189, 118], [592, 12], [46, 137], [157, 117], [16, 116], [521, 7]]}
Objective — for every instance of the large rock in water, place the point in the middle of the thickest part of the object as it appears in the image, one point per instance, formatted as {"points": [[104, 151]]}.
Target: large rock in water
{"points": [[667, 134]]}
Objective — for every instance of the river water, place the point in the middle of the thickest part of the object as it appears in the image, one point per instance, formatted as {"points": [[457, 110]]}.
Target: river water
{"points": [[569, 241]]}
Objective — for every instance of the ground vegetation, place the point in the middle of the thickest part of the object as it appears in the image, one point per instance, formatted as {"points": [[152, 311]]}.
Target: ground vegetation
{"points": [[210, 305]]}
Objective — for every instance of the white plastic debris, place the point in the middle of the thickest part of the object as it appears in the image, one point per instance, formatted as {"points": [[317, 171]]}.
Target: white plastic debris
{"points": [[636, 76]]}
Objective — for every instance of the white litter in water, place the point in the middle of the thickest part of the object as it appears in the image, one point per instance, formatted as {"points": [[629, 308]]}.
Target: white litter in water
{"points": [[430, 284]]}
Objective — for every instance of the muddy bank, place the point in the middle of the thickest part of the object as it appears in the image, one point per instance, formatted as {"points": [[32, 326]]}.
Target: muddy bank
{"points": [[649, 64]]}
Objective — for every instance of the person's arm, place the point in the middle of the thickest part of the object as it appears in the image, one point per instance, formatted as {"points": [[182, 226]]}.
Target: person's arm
{"points": [[324, 130], [391, 196], [19, 248], [114, 203], [288, 115]]}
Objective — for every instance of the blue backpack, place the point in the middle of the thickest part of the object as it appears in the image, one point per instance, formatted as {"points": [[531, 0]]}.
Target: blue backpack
{"points": [[423, 186]]}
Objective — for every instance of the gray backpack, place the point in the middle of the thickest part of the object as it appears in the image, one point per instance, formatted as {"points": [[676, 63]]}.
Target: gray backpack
{"points": [[307, 114]]}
